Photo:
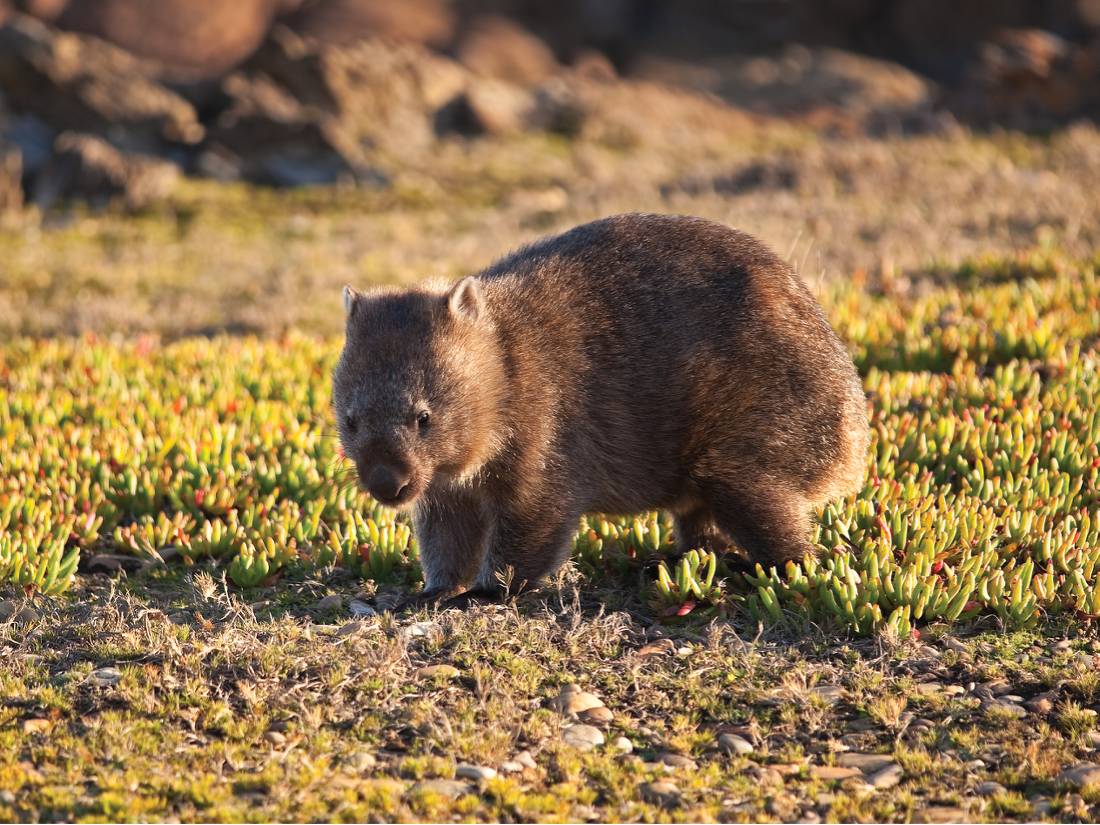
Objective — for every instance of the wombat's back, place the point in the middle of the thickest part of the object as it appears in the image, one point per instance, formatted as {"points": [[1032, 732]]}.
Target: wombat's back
{"points": [[650, 351]]}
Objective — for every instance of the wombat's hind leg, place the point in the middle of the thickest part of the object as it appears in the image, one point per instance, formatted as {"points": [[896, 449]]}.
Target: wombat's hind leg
{"points": [[770, 524], [697, 530]]}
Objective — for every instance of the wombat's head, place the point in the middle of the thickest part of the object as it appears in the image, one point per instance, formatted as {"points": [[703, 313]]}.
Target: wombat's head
{"points": [[418, 388]]}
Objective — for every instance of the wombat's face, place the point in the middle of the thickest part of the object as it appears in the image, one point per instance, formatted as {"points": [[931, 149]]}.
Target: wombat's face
{"points": [[408, 388]]}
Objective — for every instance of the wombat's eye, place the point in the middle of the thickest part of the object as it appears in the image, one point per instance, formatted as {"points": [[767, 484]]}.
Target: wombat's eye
{"points": [[423, 419], [350, 423]]}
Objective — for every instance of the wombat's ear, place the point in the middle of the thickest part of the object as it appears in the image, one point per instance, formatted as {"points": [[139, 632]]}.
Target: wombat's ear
{"points": [[466, 300], [351, 300]]}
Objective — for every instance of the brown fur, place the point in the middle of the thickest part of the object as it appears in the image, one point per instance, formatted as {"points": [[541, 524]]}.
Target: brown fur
{"points": [[637, 362]]}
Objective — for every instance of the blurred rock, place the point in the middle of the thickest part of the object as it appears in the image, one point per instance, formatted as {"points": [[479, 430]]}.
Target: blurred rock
{"points": [[11, 177], [77, 83], [343, 22], [189, 38], [86, 166], [1029, 78], [494, 46], [826, 86], [486, 107]]}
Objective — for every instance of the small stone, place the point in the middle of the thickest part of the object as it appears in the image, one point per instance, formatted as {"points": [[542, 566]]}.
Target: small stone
{"points": [[622, 744], [865, 762], [275, 738], [830, 694], [974, 765], [333, 602], [1041, 703], [733, 744], [526, 759], [1082, 775], [809, 817], [998, 687], [437, 672], [661, 793], [478, 773], [676, 760], [954, 644], [361, 610], [888, 777], [833, 773], [929, 688], [1064, 644], [1041, 806], [7, 797], [942, 813], [35, 725], [511, 766], [990, 789], [1001, 708], [450, 788], [573, 700], [105, 677], [351, 628], [418, 629], [1093, 738], [769, 777], [864, 723], [362, 761], [583, 737], [598, 715]]}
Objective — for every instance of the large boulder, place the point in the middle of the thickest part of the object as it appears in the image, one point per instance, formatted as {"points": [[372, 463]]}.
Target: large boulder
{"points": [[494, 46], [189, 39], [78, 83]]}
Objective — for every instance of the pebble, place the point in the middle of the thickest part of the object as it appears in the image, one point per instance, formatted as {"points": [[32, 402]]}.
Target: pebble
{"points": [[1040, 703], [350, 628], [526, 759], [942, 813], [888, 777], [954, 690], [362, 760], [733, 744], [573, 700], [676, 760], [1093, 738], [437, 672], [7, 797], [1082, 775], [831, 694], [1041, 806], [450, 788], [333, 602], [769, 777], [275, 738], [35, 725], [511, 766], [990, 789], [583, 737], [622, 744], [998, 707], [105, 676], [598, 715], [809, 818], [661, 793], [1064, 644], [478, 773], [360, 609], [865, 762], [998, 687], [418, 629], [833, 772]]}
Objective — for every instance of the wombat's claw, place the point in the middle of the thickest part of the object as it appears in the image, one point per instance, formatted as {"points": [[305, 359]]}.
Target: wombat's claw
{"points": [[478, 595]]}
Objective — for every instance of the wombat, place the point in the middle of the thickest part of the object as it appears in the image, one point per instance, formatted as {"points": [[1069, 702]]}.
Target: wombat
{"points": [[637, 362]]}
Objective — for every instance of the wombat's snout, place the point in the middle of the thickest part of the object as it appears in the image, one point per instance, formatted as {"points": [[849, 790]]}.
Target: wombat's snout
{"points": [[388, 484]]}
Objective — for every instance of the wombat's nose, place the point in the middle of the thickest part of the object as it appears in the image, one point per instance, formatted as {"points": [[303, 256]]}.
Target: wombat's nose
{"points": [[387, 483]]}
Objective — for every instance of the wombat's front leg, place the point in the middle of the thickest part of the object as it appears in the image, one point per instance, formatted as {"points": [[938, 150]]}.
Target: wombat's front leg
{"points": [[453, 537], [524, 550]]}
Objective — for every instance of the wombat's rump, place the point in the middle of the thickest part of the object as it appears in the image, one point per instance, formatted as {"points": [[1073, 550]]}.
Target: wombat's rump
{"points": [[637, 362]]}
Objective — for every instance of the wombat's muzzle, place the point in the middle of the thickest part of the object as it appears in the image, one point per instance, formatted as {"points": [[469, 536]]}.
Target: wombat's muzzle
{"points": [[389, 485]]}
